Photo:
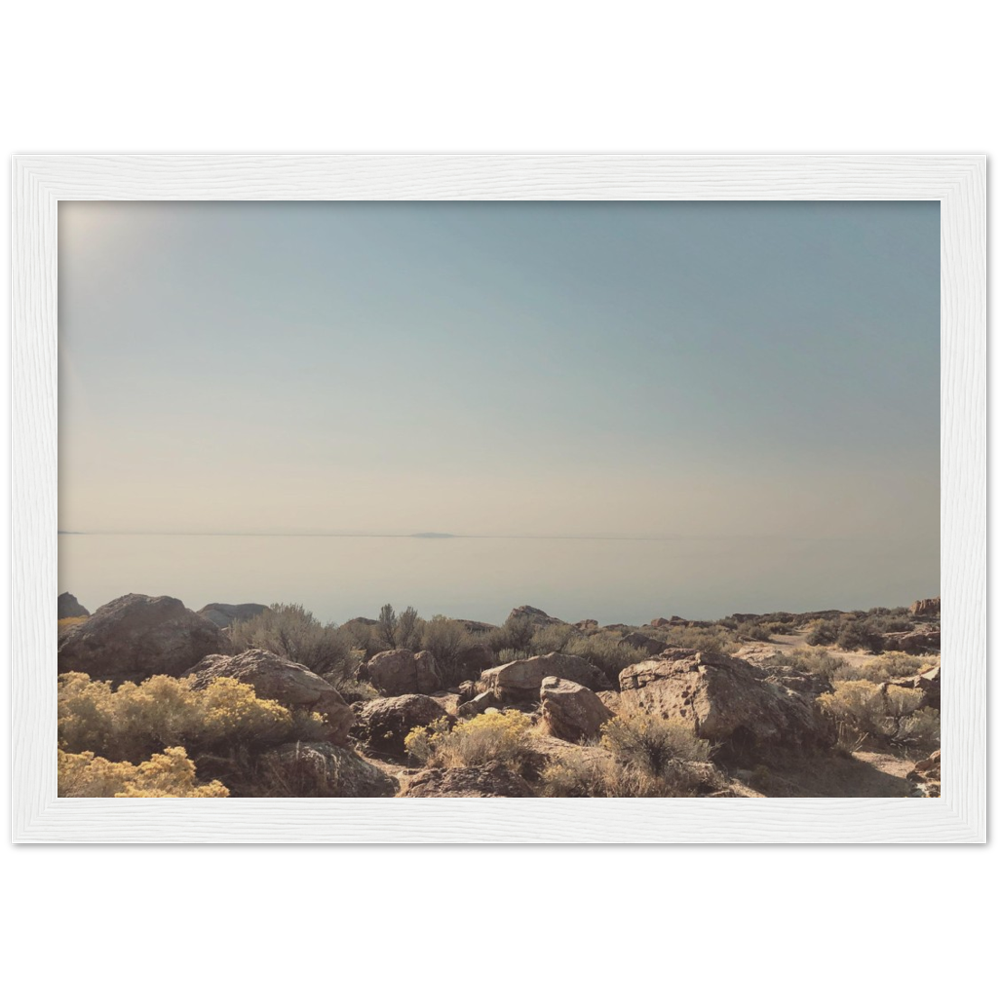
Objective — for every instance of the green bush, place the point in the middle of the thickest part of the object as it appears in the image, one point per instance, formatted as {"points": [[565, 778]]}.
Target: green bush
{"points": [[292, 632], [606, 653], [859, 635], [166, 775], [446, 639], [755, 631], [362, 637], [515, 633], [823, 633], [552, 639]]}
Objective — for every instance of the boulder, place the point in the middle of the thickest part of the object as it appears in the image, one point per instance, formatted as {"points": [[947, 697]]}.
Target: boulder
{"points": [[536, 616], [490, 781], [726, 699], [660, 623], [920, 640], [521, 680], [571, 711], [928, 682], [477, 705], [474, 660], [70, 607], [384, 723], [639, 641], [318, 770], [587, 625], [474, 627], [930, 607], [401, 671], [290, 684], [225, 614], [135, 636]]}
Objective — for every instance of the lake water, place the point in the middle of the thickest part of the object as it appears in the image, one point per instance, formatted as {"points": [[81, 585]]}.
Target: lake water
{"points": [[612, 580]]}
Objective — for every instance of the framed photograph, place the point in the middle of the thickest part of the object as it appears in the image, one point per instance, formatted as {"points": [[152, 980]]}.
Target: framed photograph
{"points": [[499, 498]]}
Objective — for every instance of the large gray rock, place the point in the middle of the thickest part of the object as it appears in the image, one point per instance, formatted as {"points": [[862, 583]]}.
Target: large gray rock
{"points": [[521, 680], [536, 616], [646, 643], [225, 614], [384, 723], [571, 711], [489, 781], [318, 770], [290, 684], [400, 671], [135, 636], [726, 699], [70, 607]]}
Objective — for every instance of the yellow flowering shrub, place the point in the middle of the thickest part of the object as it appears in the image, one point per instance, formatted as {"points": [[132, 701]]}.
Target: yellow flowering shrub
{"points": [[137, 720], [492, 736], [165, 775]]}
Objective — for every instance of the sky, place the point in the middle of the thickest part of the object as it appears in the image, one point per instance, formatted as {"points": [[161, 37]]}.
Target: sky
{"points": [[679, 369]]}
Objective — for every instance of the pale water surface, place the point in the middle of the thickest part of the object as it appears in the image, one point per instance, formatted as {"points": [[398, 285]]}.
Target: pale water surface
{"points": [[612, 580]]}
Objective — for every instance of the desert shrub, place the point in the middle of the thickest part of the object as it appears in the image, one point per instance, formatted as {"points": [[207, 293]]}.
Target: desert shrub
{"points": [[887, 667], [492, 736], [884, 712], [823, 633], [648, 757], [606, 653], [165, 775], [510, 655], [552, 639], [515, 633], [887, 622], [859, 635], [821, 662], [408, 629], [652, 744], [136, 721], [352, 690], [290, 631], [705, 638], [362, 637], [921, 729], [895, 664], [576, 775], [67, 623], [755, 631], [446, 639], [385, 627], [857, 704]]}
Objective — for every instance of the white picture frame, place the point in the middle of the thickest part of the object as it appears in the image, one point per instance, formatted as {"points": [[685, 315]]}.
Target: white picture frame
{"points": [[958, 182]]}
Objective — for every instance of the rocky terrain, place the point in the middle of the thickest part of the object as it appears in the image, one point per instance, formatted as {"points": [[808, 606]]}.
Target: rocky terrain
{"points": [[250, 700]]}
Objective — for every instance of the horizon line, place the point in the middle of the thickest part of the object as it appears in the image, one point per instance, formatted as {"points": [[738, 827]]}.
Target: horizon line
{"points": [[438, 536]]}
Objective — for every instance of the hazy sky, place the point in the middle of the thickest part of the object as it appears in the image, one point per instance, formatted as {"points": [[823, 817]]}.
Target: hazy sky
{"points": [[509, 368]]}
